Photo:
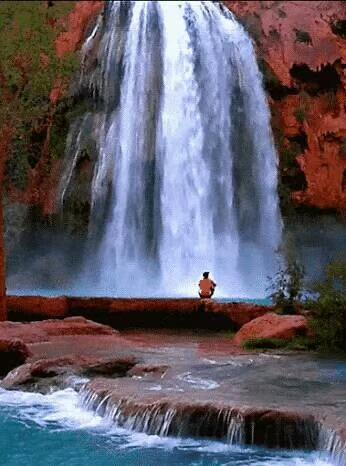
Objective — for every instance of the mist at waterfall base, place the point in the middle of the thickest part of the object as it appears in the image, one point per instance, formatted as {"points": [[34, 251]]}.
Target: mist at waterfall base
{"points": [[55, 429], [184, 167]]}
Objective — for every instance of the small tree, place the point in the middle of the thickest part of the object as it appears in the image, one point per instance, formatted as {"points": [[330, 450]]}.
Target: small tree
{"points": [[287, 287], [329, 310]]}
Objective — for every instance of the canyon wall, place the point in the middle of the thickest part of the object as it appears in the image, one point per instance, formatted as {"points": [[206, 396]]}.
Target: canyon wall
{"points": [[301, 48]]}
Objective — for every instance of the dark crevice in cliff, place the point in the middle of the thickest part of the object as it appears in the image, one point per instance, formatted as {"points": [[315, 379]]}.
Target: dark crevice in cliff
{"points": [[339, 28], [316, 82], [272, 84], [294, 178], [300, 141]]}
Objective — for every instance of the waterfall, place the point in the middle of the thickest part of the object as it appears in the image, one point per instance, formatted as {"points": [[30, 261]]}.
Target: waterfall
{"points": [[185, 178]]}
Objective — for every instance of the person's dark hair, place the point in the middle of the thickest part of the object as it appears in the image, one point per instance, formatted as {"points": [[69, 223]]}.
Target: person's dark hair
{"points": [[205, 274]]}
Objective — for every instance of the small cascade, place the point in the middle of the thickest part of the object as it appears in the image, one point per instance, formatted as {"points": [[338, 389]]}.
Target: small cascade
{"points": [[331, 441], [238, 426], [185, 169], [164, 419]]}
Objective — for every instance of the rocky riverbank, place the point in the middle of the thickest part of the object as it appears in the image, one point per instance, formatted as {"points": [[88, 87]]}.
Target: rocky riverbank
{"points": [[184, 382]]}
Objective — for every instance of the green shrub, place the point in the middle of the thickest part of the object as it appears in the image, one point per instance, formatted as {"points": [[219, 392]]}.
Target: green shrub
{"points": [[329, 310], [287, 287], [297, 344], [264, 343], [301, 344], [300, 115]]}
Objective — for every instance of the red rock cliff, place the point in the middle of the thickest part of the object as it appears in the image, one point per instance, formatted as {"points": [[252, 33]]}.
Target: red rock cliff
{"points": [[302, 49], [77, 24]]}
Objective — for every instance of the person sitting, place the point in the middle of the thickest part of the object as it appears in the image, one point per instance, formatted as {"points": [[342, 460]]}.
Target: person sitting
{"points": [[206, 287]]}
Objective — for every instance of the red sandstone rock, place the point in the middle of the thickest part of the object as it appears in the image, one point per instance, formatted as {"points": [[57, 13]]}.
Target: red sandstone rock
{"points": [[36, 332], [31, 307], [274, 26], [75, 364], [13, 353], [283, 327], [238, 313], [74, 326], [77, 23], [124, 313]]}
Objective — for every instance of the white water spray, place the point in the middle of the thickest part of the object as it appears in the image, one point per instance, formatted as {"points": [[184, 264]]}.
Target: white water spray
{"points": [[186, 173]]}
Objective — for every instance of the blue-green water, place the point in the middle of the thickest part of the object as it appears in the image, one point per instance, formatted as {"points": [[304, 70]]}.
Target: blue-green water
{"points": [[55, 430], [53, 293]]}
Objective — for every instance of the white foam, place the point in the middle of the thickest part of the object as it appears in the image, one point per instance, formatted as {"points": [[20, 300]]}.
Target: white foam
{"points": [[198, 382], [61, 410]]}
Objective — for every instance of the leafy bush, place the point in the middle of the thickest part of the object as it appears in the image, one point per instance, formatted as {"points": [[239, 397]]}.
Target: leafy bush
{"points": [[297, 344], [329, 310], [287, 287], [300, 115], [264, 343], [301, 344]]}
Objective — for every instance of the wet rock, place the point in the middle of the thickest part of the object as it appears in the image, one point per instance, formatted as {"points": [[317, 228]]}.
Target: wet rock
{"points": [[170, 416], [31, 374], [272, 325], [13, 353], [19, 376], [143, 370], [280, 429], [118, 367]]}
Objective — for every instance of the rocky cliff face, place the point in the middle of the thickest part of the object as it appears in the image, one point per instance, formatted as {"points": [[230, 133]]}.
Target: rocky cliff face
{"points": [[301, 48], [302, 52]]}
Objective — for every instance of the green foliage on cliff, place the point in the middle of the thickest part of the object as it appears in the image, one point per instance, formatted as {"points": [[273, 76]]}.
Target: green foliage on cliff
{"points": [[287, 287], [300, 115], [29, 69], [329, 310]]}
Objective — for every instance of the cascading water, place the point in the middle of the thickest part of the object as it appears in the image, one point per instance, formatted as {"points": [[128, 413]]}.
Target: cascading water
{"points": [[186, 175]]}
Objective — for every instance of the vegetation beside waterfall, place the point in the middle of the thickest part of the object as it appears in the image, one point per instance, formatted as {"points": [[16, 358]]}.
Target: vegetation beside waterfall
{"points": [[29, 71], [325, 303]]}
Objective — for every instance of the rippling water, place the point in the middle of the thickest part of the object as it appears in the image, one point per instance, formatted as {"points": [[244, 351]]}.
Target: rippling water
{"points": [[54, 430]]}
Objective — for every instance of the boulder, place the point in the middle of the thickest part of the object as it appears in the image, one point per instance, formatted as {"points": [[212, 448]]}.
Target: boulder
{"points": [[36, 372], [271, 325], [238, 314], [13, 353], [37, 332]]}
